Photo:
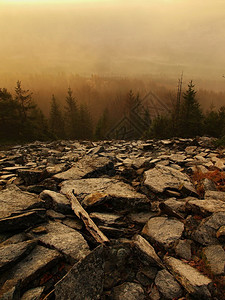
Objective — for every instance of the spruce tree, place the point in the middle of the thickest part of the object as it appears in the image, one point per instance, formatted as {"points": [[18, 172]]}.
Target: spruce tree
{"points": [[191, 114], [71, 116], [9, 126]]}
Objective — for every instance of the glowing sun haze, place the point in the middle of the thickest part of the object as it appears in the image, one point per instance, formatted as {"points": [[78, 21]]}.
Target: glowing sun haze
{"points": [[113, 37]]}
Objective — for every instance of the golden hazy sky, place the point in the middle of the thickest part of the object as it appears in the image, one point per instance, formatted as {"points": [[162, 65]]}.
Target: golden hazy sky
{"points": [[131, 37]]}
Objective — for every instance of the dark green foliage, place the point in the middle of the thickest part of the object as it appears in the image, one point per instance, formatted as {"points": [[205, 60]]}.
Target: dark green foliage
{"points": [[56, 122], [85, 126], [9, 121], [191, 114], [220, 142], [160, 127], [102, 126], [71, 116]]}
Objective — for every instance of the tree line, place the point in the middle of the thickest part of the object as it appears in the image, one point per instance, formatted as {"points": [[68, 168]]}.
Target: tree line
{"points": [[21, 120]]}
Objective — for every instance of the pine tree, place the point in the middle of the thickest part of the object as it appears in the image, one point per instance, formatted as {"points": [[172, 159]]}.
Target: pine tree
{"points": [[9, 126], [24, 100], [56, 122], [71, 116], [191, 114]]}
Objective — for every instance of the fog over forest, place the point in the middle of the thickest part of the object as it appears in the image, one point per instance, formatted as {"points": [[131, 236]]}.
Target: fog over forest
{"points": [[103, 49]]}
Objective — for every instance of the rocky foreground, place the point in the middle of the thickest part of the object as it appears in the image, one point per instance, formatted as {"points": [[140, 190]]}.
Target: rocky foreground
{"points": [[112, 220]]}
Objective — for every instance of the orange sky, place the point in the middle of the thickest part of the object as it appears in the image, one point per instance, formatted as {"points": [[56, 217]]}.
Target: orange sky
{"points": [[113, 37]]}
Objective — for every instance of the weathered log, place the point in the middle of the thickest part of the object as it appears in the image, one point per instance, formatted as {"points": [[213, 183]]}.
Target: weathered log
{"points": [[81, 213]]}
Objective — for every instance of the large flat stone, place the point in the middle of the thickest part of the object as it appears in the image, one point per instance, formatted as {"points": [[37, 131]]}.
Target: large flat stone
{"points": [[161, 178], [191, 279], [11, 254], [205, 206], [13, 200], [84, 280], [66, 240], [35, 264], [94, 191], [163, 230], [86, 167]]}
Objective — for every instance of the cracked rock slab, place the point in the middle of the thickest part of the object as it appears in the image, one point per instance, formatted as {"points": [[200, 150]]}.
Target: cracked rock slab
{"points": [[14, 200], [115, 192], [11, 254], [163, 230], [205, 206], [36, 263], [66, 240], [161, 178], [84, 280], [191, 279], [86, 167]]}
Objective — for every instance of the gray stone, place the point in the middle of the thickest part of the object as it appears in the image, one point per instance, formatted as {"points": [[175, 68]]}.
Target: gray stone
{"points": [[33, 294], [74, 223], [191, 279], [141, 218], [17, 238], [183, 249], [216, 195], [167, 285], [95, 190], [12, 253], [14, 200], [128, 291], [106, 218], [36, 263], [51, 170], [66, 240], [84, 280], [56, 201], [178, 158], [163, 230], [55, 215], [161, 178], [205, 206], [146, 253], [86, 167], [205, 233], [23, 220], [214, 256], [208, 185]]}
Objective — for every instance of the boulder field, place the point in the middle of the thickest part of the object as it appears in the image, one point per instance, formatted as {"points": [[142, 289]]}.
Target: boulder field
{"points": [[112, 220]]}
